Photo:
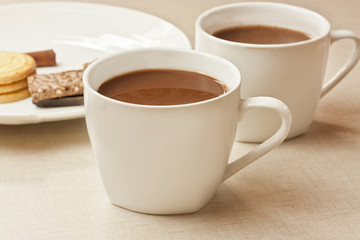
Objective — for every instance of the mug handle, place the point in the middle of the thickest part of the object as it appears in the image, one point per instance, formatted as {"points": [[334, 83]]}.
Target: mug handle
{"points": [[351, 62], [274, 105]]}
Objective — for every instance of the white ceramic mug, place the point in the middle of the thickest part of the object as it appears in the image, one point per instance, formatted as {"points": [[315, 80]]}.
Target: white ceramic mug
{"points": [[169, 159], [292, 72]]}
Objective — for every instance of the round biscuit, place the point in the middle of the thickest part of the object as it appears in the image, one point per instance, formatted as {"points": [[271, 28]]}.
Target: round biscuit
{"points": [[14, 96], [15, 66], [11, 87]]}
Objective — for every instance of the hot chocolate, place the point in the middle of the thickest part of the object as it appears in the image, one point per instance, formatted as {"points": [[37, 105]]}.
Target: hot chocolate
{"points": [[259, 34], [162, 87]]}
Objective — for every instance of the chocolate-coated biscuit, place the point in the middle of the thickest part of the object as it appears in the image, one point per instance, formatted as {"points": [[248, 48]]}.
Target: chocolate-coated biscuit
{"points": [[55, 86], [61, 102]]}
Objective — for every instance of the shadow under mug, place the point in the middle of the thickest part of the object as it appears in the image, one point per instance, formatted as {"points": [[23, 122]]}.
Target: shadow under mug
{"points": [[169, 159], [293, 72]]}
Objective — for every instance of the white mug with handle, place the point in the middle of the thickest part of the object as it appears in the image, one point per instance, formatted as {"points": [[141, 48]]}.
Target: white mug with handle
{"points": [[170, 159], [292, 72]]}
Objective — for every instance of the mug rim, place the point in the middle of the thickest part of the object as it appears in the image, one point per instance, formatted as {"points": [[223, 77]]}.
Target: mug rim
{"points": [[95, 64], [210, 11]]}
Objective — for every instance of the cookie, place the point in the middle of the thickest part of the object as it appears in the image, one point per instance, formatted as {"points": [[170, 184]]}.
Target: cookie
{"points": [[15, 66], [14, 96], [55, 85], [15, 86]]}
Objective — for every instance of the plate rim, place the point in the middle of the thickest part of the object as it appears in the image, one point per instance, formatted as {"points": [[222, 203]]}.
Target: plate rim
{"points": [[72, 112]]}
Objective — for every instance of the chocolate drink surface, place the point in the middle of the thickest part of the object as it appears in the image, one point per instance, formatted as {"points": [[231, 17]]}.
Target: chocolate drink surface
{"points": [[162, 87], [258, 34]]}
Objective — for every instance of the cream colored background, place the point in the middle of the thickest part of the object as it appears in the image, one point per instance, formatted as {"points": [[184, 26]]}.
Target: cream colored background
{"points": [[308, 188]]}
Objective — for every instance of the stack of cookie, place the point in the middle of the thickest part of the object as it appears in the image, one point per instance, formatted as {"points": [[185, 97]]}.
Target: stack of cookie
{"points": [[14, 70]]}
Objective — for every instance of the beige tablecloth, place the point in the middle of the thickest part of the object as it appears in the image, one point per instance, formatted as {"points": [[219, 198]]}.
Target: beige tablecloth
{"points": [[308, 188]]}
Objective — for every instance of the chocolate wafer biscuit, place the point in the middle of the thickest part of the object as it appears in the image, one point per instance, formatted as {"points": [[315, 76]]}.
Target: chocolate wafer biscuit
{"points": [[56, 86]]}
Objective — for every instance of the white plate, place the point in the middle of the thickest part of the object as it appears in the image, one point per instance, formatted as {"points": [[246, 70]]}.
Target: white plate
{"points": [[78, 33]]}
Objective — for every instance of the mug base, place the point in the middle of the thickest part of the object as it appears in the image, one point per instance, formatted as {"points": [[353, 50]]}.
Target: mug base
{"points": [[161, 212]]}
